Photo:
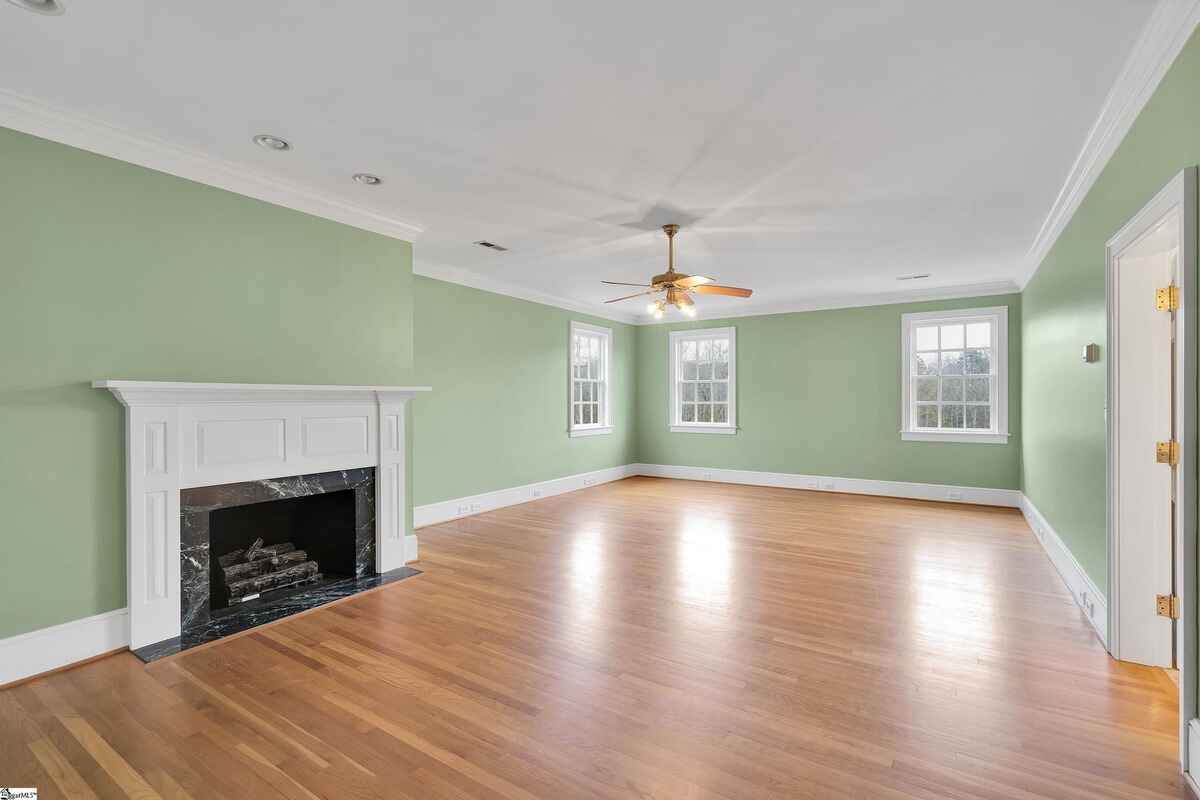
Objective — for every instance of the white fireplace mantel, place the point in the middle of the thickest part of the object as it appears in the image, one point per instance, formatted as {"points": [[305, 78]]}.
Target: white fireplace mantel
{"points": [[182, 435]]}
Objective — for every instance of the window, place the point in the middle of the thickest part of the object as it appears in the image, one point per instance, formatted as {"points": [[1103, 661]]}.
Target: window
{"points": [[955, 376], [703, 381], [591, 361]]}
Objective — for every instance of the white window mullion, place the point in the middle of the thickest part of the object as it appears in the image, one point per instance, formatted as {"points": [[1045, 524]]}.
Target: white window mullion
{"points": [[980, 331], [589, 382], [716, 349]]}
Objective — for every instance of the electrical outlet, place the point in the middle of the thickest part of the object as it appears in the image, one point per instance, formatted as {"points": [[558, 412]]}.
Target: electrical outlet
{"points": [[1089, 607]]}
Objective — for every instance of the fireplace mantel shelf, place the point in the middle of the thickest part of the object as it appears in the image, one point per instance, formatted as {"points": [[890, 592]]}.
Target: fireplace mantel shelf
{"points": [[132, 393]]}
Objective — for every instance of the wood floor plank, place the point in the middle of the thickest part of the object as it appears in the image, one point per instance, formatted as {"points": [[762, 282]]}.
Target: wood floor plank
{"points": [[642, 639], [60, 770]]}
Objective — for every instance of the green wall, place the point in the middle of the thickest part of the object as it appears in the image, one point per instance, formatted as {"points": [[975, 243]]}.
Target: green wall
{"points": [[498, 413], [819, 394], [113, 271], [1064, 309], [91, 247]]}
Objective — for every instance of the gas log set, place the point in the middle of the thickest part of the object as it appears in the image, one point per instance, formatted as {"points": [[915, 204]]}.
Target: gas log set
{"points": [[259, 568]]}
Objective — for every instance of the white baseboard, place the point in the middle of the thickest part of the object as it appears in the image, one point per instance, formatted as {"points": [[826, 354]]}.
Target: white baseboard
{"points": [[824, 483], [433, 513], [48, 649], [1087, 594], [446, 510], [1192, 763]]}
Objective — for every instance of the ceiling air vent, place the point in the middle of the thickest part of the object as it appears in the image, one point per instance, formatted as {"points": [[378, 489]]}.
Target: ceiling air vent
{"points": [[913, 277], [491, 246]]}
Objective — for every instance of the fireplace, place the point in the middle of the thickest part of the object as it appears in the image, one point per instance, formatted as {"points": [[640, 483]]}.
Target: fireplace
{"points": [[307, 481], [239, 541], [262, 550], [258, 551]]}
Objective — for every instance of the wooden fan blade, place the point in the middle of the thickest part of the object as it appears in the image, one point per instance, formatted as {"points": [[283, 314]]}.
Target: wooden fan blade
{"points": [[692, 282], [619, 283], [730, 291], [628, 296]]}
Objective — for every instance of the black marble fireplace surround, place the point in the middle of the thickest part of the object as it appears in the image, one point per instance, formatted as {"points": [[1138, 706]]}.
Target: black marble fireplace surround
{"points": [[331, 515]]}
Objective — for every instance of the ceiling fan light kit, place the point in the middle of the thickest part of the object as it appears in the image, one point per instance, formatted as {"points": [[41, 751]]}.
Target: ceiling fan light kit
{"points": [[677, 286]]}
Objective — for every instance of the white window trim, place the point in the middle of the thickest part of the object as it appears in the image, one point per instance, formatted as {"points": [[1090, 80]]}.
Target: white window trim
{"points": [[594, 428], [999, 434], [674, 424]]}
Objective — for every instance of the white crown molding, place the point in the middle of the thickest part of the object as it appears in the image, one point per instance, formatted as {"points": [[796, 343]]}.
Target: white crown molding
{"points": [[835, 302], [25, 114], [473, 280], [1164, 36]]}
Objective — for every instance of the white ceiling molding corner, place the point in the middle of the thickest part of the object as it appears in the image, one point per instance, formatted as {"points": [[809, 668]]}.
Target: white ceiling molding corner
{"points": [[473, 280], [1163, 37], [834, 302], [36, 118]]}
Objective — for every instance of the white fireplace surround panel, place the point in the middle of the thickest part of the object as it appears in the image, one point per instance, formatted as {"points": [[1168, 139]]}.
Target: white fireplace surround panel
{"points": [[183, 435]]}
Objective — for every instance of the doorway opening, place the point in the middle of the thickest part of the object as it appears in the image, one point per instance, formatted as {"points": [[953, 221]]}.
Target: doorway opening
{"points": [[1151, 421]]}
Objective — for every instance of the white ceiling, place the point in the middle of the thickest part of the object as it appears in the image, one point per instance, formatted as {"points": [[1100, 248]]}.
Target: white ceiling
{"points": [[810, 149]]}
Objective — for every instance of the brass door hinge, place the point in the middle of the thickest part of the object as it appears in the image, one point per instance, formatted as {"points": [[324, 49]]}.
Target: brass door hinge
{"points": [[1167, 605], [1167, 298], [1166, 453]]}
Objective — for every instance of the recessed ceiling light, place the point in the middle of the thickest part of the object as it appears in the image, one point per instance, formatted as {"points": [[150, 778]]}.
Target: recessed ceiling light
{"points": [[270, 142], [367, 180], [48, 7], [913, 277]]}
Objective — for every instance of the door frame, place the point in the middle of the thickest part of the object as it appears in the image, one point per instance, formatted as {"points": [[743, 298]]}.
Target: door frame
{"points": [[1179, 193]]}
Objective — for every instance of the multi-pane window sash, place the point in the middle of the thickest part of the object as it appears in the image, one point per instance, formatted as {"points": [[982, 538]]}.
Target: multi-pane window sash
{"points": [[703, 381], [589, 377], [953, 384], [703, 378]]}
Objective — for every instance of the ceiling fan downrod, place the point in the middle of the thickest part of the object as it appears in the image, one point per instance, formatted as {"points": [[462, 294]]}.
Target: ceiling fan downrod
{"points": [[670, 231]]}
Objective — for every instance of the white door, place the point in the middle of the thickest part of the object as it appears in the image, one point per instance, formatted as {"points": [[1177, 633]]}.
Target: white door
{"points": [[1144, 359]]}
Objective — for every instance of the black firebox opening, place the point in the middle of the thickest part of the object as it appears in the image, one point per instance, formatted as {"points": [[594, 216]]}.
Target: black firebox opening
{"points": [[305, 541]]}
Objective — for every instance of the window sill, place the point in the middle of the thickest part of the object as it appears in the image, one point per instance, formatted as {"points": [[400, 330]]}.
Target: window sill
{"points": [[954, 436], [575, 433], [725, 429]]}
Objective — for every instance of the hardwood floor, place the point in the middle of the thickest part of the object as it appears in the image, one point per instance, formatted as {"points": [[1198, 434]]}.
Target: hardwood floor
{"points": [[642, 639]]}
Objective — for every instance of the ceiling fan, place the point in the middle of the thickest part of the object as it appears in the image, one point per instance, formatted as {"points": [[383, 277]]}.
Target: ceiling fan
{"points": [[677, 285]]}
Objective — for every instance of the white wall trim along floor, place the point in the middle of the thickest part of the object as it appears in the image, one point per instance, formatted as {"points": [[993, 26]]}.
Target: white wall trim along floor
{"points": [[1088, 596], [51, 648]]}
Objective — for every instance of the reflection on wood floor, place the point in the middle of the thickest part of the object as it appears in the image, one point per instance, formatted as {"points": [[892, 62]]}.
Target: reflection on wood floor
{"points": [[644, 639]]}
